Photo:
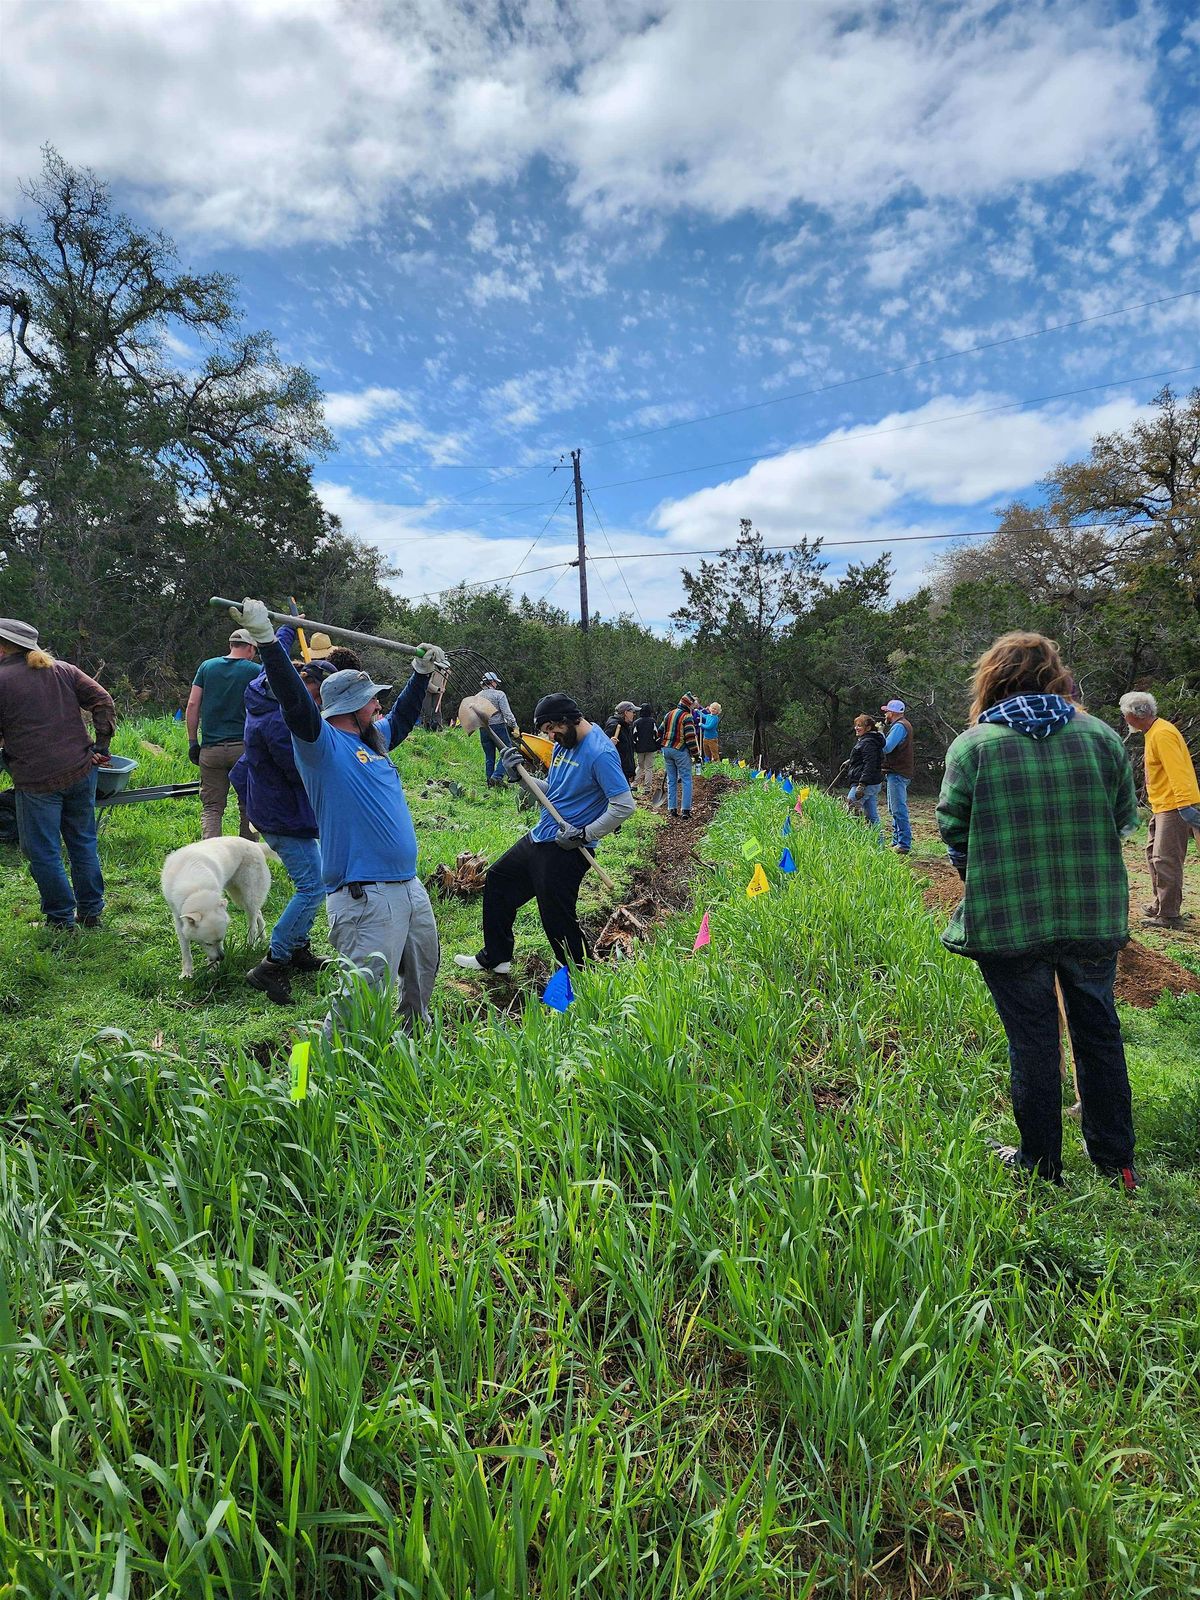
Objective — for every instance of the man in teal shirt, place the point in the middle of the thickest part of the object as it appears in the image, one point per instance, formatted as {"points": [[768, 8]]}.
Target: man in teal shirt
{"points": [[216, 719]]}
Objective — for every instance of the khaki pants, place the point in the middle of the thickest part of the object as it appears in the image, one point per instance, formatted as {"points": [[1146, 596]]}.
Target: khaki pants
{"points": [[1166, 852], [215, 762], [645, 770], [712, 751]]}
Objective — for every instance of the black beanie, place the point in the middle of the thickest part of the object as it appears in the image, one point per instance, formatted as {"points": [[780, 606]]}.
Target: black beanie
{"points": [[556, 708]]}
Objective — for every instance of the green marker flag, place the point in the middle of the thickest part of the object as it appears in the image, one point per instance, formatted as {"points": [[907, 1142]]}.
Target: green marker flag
{"points": [[751, 849], [299, 1065]]}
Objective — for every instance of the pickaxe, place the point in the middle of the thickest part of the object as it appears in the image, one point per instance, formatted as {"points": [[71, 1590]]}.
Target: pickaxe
{"points": [[477, 712]]}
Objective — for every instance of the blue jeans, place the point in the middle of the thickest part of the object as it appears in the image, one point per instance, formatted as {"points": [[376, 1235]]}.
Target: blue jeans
{"points": [[302, 858], [868, 798], [491, 756], [1023, 989], [679, 779], [897, 803], [45, 822]]}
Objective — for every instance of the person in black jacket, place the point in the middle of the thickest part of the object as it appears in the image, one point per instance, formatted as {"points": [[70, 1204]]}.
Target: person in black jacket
{"points": [[619, 729], [647, 742], [866, 769]]}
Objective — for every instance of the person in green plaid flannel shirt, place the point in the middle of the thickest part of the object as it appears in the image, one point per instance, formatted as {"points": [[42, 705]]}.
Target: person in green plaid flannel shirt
{"points": [[1036, 799]]}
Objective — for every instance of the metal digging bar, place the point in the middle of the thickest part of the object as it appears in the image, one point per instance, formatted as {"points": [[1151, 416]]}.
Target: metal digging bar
{"points": [[474, 713], [331, 628]]}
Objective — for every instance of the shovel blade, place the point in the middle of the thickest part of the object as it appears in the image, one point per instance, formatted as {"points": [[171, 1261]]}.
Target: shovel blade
{"points": [[474, 713]]}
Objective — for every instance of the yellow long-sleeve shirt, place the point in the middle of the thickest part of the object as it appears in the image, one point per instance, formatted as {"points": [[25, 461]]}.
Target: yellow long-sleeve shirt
{"points": [[1170, 775]]}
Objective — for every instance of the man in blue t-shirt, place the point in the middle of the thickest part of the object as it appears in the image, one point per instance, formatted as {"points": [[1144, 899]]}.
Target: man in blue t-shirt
{"points": [[380, 918], [590, 791]]}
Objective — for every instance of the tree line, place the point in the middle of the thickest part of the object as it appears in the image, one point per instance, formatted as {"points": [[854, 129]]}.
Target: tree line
{"points": [[150, 446]]}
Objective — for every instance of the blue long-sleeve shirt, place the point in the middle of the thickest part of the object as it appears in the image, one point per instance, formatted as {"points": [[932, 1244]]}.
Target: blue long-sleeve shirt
{"points": [[897, 734], [367, 834]]}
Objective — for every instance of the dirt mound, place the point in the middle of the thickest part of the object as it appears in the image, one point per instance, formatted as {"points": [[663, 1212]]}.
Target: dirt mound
{"points": [[1142, 974]]}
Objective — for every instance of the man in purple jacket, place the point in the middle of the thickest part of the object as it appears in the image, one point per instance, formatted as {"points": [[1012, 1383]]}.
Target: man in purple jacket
{"points": [[271, 793]]}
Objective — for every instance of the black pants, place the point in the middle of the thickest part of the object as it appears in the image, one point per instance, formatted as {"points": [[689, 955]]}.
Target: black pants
{"points": [[1023, 989], [527, 871]]}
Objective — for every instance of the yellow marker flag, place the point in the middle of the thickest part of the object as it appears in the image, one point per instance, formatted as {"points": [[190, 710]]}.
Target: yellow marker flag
{"points": [[758, 883], [804, 794], [299, 1065]]}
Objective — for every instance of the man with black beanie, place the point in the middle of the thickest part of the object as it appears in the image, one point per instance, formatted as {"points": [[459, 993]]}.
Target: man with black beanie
{"points": [[587, 786]]}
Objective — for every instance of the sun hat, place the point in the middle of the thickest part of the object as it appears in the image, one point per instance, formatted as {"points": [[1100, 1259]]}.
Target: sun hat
{"points": [[319, 646], [240, 636], [347, 691], [894, 705], [18, 633]]}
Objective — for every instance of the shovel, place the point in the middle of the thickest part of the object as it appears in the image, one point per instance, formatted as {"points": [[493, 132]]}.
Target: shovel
{"points": [[475, 713]]}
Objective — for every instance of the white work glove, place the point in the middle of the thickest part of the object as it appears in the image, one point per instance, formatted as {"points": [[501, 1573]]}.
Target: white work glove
{"points": [[253, 617], [432, 659]]}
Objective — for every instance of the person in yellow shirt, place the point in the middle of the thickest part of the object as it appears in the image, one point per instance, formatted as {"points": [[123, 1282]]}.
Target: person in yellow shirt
{"points": [[1174, 797]]}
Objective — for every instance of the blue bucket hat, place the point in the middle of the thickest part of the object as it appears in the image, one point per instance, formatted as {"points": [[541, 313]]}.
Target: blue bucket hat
{"points": [[347, 691]]}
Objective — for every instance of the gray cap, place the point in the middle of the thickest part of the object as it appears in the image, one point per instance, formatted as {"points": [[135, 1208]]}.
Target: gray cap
{"points": [[490, 677], [348, 690], [625, 705], [18, 633], [240, 636]]}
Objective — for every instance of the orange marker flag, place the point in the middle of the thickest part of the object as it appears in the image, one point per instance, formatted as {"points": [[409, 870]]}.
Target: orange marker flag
{"points": [[703, 937]]}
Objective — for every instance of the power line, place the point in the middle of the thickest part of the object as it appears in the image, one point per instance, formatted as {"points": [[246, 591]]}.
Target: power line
{"points": [[900, 427], [720, 550], [620, 569], [893, 372], [545, 525]]}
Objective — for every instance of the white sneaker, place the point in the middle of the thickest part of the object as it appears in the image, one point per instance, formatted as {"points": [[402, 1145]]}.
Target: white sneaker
{"points": [[477, 966]]}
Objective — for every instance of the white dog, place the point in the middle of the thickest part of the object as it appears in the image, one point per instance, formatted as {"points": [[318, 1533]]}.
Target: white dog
{"points": [[195, 881]]}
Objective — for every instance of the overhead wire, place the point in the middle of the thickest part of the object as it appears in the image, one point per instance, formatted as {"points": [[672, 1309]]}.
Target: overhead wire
{"points": [[620, 569], [720, 550]]}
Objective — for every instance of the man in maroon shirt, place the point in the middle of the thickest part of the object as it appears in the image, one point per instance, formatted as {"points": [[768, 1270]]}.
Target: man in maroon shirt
{"points": [[53, 766]]}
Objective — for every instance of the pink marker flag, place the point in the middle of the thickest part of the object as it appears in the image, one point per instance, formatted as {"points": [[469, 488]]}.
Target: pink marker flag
{"points": [[703, 937]]}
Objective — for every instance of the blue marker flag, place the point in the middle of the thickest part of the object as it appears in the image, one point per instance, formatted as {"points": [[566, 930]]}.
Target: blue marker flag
{"points": [[787, 785], [558, 993], [755, 772], [787, 825], [786, 864]]}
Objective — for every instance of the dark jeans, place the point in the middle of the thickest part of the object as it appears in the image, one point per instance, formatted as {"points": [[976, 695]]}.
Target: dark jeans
{"points": [[1023, 989], [491, 756], [45, 822], [526, 872]]}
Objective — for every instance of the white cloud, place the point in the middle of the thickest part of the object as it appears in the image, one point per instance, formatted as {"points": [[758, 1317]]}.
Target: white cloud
{"points": [[345, 413], [290, 119], [357, 413], [864, 479]]}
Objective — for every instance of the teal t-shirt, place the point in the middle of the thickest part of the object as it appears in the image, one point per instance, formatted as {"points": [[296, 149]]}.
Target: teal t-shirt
{"points": [[223, 708]]}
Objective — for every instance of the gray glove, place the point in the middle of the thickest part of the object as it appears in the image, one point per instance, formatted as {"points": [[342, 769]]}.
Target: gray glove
{"points": [[510, 760], [570, 838], [253, 617], [432, 659]]}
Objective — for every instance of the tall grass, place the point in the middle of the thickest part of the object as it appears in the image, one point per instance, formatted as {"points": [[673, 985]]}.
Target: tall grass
{"points": [[706, 1288]]}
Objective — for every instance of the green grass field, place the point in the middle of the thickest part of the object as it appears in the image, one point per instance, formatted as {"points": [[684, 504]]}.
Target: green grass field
{"points": [[707, 1288]]}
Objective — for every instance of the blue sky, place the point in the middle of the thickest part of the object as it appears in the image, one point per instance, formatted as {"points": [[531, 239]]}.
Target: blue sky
{"points": [[500, 232]]}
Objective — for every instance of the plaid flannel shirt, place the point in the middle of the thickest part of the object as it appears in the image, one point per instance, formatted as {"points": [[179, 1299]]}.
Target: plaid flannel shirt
{"points": [[1038, 824]]}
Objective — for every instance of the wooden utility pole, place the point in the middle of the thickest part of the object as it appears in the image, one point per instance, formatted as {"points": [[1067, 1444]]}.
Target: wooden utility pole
{"points": [[581, 562]]}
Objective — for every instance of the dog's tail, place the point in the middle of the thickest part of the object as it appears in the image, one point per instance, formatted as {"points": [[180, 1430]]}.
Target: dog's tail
{"points": [[270, 854]]}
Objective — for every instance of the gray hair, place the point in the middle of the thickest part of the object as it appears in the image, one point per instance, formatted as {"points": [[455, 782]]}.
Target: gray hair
{"points": [[1138, 703]]}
